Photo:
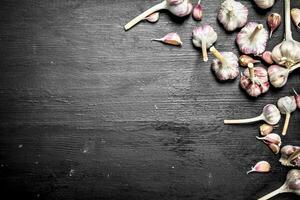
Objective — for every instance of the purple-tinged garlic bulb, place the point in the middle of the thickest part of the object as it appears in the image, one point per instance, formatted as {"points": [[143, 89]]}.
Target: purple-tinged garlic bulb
{"points": [[170, 38], [297, 98], [273, 141], [287, 53], [290, 156], [232, 15], [154, 17], [274, 21], [279, 75], [267, 57], [291, 185], [198, 11], [226, 65], [261, 167], [286, 106], [254, 81], [264, 4], [295, 13], [252, 39], [204, 37], [244, 60], [270, 115], [178, 8], [266, 129]]}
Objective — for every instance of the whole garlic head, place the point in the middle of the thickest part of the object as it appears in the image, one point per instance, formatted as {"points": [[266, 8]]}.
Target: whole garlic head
{"points": [[180, 8], [287, 53], [264, 4], [252, 39], [232, 15]]}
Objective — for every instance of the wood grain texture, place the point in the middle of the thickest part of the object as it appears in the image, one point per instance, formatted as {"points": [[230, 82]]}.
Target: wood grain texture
{"points": [[89, 111]]}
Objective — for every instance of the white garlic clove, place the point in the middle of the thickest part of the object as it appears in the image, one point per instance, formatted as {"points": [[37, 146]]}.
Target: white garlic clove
{"points": [[264, 4], [252, 39], [274, 21], [232, 15], [278, 75], [295, 13]]}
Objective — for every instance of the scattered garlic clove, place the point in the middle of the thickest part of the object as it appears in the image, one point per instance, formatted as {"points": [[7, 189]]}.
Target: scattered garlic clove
{"points": [[270, 115], [170, 38], [271, 138], [254, 81], [297, 98], [295, 13], [204, 37], [244, 60], [198, 11], [287, 53], [279, 75], [290, 156], [154, 17], [264, 4], [252, 39], [232, 15], [261, 167], [178, 8], [267, 57], [274, 21], [274, 148], [286, 106], [225, 66], [266, 129]]}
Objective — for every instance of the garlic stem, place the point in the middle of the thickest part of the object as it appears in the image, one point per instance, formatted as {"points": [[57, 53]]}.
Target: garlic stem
{"points": [[294, 67], [257, 29], [244, 121], [286, 123], [199, 2], [274, 193], [204, 51], [251, 71], [288, 30], [160, 6], [218, 55], [295, 155]]}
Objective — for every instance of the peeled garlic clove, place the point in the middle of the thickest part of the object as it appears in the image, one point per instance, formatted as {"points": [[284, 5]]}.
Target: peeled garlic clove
{"points": [[170, 38], [154, 17], [274, 148], [225, 66], [252, 39], [267, 57], [264, 4], [204, 37], [295, 13], [266, 129], [274, 21], [297, 98], [272, 138], [244, 60], [198, 11], [261, 166], [286, 106], [232, 15]]}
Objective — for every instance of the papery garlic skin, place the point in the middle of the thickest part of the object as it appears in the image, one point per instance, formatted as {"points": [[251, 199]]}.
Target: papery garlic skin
{"points": [[180, 8], [266, 129], [264, 4], [171, 38], [286, 152], [252, 39], [232, 15], [154, 17]]}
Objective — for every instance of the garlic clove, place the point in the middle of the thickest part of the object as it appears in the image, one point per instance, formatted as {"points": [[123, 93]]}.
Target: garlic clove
{"points": [[225, 66], [261, 167], [198, 11], [295, 13], [252, 39], [274, 148], [244, 60], [264, 4], [154, 17], [297, 98], [204, 37], [267, 57], [232, 15], [271, 138], [170, 38], [266, 129], [274, 21], [278, 75]]}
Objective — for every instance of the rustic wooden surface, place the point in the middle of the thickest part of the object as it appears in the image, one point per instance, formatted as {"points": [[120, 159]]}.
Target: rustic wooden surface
{"points": [[89, 111]]}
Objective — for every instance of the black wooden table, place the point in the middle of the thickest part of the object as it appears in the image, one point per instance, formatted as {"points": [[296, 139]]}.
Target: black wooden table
{"points": [[89, 111]]}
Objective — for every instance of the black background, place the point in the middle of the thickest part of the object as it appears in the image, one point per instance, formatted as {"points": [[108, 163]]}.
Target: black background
{"points": [[89, 111]]}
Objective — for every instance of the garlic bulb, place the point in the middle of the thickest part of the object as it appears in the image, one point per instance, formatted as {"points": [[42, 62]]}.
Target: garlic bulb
{"points": [[254, 80], [279, 75], [204, 37], [264, 4], [295, 13], [232, 15], [287, 53], [290, 156], [286, 106], [226, 65], [252, 39]]}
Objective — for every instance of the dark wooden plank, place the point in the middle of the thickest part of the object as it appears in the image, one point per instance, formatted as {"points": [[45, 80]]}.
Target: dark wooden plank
{"points": [[89, 111]]}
